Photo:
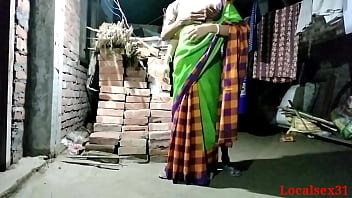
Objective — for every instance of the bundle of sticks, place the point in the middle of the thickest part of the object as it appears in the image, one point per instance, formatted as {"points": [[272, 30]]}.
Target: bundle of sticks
{"points": [[292, 114]]}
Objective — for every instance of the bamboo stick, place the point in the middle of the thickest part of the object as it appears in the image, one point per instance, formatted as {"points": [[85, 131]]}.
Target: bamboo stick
{"points": [[94, 157], [95, 164], [308, 116]]}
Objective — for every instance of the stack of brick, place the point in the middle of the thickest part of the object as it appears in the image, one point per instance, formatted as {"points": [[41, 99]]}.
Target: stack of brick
{"points": [[159, 126], [159, 145], [136, 115], [109, 120], [129, 114], [160, 118]]}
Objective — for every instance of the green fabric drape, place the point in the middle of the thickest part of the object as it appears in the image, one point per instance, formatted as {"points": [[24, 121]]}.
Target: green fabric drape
{"points": [[187, 55]]}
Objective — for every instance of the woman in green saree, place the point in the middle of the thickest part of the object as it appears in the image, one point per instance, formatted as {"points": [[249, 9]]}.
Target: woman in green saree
{"points": [[209, 64]]}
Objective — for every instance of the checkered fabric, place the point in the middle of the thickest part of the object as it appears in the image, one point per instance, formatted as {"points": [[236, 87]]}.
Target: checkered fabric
{"points": [[234, 71], [188, 160]]}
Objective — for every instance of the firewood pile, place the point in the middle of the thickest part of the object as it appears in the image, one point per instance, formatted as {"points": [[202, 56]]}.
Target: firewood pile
{"points": [[134, 109]]}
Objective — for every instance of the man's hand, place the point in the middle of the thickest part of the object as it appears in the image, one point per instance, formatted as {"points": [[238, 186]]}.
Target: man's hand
{"points": [[195, 17], [199, 16]]}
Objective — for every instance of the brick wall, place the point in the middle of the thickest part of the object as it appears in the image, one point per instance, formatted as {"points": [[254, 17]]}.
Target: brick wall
{"points": [[20, 77], [74, 95]]}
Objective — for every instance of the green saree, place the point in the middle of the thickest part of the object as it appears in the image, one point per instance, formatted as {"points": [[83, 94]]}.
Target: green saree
{"points": [[197, 88], [187, 54]]}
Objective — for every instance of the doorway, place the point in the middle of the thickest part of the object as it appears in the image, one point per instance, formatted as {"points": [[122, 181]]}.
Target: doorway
{"points": [[7, 10]]}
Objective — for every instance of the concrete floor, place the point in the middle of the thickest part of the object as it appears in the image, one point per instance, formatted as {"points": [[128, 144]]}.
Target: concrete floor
{"points": [[266, 162], [17, 173]]}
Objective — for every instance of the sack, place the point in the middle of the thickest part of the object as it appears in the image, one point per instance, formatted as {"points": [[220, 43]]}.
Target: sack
{"points": [[342, 117]]}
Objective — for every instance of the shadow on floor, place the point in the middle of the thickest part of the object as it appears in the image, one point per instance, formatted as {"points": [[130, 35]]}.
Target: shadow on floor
{"points": [[265, 176]]}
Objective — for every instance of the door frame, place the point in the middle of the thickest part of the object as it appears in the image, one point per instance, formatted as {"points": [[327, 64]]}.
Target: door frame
{"points": [[7, 33]]}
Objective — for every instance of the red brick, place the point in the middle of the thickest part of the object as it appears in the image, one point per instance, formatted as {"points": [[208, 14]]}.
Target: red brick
{"points": [[158, 152], [24, 6], [110, 112], [111, 67], [134, 135], [99, 127], [68, 93], [132, 150], [112, 89], [134, 128], [159, 120], [160, 126], [104, 138], [131, 84], [18, 101], [138, 92], [114, 97], [109, 120], [111, 77], [109, 55], [133, 142], [99, 147], [110, 83], [134, 106], [137, 113], [20, 32], [137, 99], [161, 114], [134, 79], [159, 135], [111, 63], [159, 144], [69, 78], [161, 106], [161, 98], [21, 45], [136, 73], [135, 121], [18, 113], [21, 75], [111, 105], [20, 87], [20, 59], [111, 70]]}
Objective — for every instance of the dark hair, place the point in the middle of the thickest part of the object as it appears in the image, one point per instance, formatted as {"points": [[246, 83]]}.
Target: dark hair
{"points": [[244, 7]]}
